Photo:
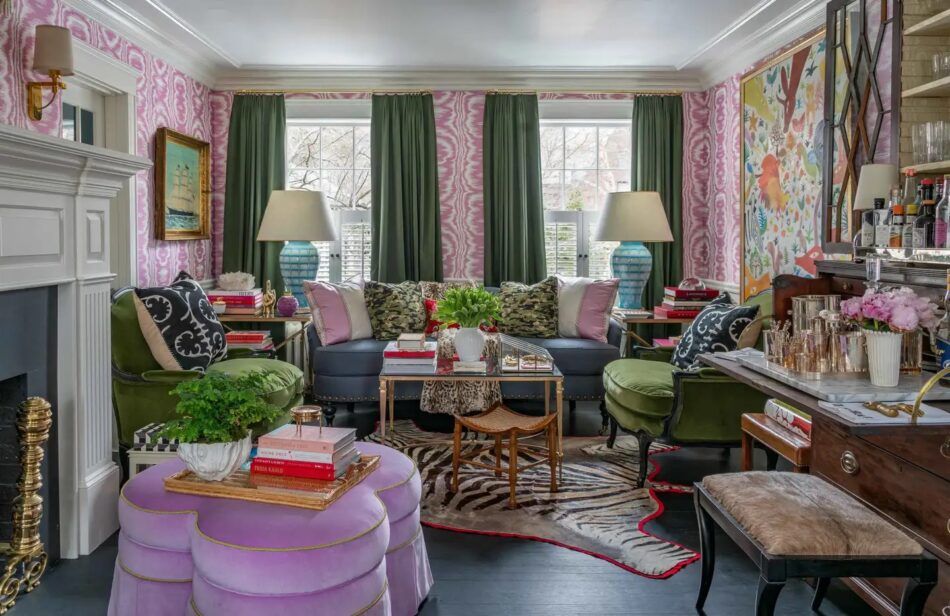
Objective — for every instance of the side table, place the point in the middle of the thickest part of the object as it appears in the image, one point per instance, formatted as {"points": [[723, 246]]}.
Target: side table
{"points": [[295, 338], [185, 554], [630, 329]]}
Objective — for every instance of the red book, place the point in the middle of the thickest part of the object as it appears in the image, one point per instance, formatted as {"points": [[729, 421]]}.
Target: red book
{"points": [[312, 438], [305, 470], [236, 300], [247, 336], [665, 313], [409, 354], [691, 294]]}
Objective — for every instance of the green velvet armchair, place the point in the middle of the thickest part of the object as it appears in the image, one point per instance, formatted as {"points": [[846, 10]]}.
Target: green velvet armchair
{"points": [[141, 389], [653, 400]]}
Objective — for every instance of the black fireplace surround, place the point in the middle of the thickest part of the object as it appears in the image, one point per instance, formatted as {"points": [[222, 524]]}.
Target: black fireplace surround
{"points": [[28, 368]]}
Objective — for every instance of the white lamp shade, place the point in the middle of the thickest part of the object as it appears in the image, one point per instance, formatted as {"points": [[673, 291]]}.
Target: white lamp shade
{"points": [[53, 50], [633, 217], [874, 182], [296, 215]]}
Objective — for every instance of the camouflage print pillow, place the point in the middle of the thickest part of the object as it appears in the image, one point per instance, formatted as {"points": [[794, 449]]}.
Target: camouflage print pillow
{"points": [[394, 309], [529, 311]]}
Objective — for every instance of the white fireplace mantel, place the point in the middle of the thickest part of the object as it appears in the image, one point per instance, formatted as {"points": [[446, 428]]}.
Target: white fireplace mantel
{"points": [[55, 211]]}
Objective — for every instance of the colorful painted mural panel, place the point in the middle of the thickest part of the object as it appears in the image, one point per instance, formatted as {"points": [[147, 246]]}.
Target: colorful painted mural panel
{"points": [[781, 138]]}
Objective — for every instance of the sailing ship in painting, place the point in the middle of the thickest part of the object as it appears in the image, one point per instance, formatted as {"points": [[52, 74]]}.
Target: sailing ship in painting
{"points": [[182, 203]]}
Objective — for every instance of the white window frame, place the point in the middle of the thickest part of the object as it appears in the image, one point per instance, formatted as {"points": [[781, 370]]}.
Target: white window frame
{"points": [[328, 113], [570, 113]]}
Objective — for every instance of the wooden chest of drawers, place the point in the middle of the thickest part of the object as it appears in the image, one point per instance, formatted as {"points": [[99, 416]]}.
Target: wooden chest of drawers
{"points": [[904, 477]]}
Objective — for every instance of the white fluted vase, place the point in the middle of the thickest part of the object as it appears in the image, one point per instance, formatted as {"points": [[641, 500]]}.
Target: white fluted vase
{"points": [[884, 357], [215, 461]]}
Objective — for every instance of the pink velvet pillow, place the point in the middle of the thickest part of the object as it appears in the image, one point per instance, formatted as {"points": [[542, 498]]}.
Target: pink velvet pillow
{"points": [[583, 307], [339, 310]]}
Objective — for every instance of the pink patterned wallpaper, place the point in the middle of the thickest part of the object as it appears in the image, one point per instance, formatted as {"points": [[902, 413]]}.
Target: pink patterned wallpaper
{"points": [[165, 97]]}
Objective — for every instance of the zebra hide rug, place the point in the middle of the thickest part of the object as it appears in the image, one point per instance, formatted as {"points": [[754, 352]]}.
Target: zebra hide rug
{"points": [[596, 509]]}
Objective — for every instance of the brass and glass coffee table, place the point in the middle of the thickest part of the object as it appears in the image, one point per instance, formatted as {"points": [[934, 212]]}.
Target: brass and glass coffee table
{"points": [[389, 378]]}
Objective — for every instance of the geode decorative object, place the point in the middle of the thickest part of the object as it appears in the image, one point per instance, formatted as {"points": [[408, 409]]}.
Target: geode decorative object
{"points": [[236, 281]]}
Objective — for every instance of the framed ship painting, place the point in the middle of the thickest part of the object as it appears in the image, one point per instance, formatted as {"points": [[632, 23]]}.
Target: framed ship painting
{"points": [[182, 187], [782, 115]]}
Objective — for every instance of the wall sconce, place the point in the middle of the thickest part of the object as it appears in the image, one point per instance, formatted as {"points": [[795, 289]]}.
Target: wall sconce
{"points": [[52, 54]]}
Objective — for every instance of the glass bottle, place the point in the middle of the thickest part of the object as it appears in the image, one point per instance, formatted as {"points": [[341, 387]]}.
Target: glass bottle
{"points": [[912, 206], [897, 225], [882, 234], [942, 222], [870, 219], [923, 228]]}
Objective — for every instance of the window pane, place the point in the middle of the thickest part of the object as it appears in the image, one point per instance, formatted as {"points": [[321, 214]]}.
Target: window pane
{"points": [[87, 124], [580, 190], [560, 248], [323, 271], [337, 147], [356, 238], [551, 184], [362, 147], [598, 262], [552, 147], [337, 188], [580, 145], [611, 181], [303, 146], [69, 122], [362, 190], [614, 147], [303, 179]]}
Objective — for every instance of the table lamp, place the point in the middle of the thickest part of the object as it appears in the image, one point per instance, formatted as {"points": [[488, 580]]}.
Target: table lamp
{"points": [[875, 182], [297, 218], [632, 218]]}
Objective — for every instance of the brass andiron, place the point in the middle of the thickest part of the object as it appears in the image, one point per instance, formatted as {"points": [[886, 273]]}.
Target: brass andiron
{"points": [[25, 556]]}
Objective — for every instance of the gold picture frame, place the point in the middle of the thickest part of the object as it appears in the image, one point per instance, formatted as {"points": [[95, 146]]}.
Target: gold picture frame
{"points": [[182, 186], [755, 72]]}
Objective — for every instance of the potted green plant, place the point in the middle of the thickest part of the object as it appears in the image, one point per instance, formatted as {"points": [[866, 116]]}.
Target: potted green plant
{"points": [[469, 309], [215, 415]]}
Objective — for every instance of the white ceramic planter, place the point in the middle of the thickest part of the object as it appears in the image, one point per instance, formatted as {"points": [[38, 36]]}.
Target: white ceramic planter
{"points": [[215, 461], [884, 357], [469, 343]]}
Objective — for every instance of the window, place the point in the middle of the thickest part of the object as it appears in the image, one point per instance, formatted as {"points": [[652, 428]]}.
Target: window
{"points": [[333, 156], [581, 162], [78, 124]]}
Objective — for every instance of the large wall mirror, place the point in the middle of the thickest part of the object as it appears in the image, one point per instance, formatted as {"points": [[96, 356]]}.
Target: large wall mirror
{"points": [[862, 116]]}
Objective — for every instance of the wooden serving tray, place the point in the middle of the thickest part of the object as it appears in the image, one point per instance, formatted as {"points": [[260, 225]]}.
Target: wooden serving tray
{"points": [[239, 486]]}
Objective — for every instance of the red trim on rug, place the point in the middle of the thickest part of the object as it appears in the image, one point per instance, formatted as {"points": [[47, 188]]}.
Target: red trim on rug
{"points": [[640, 527]]}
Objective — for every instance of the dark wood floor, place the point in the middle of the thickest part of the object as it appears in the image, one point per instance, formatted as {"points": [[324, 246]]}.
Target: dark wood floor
{"points": [[477, 576]]}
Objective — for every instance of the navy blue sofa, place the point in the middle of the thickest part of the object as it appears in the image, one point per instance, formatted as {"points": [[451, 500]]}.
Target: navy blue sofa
{"points": [[348, 372]]}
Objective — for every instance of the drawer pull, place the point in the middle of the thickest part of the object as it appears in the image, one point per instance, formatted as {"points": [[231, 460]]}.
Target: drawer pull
{"points": [[945, 452], [849, 463]]}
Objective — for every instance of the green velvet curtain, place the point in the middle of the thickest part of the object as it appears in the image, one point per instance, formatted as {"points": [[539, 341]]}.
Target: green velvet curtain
{"points": [[658, 165], [407, 241], [514, 214], [255, 167]]}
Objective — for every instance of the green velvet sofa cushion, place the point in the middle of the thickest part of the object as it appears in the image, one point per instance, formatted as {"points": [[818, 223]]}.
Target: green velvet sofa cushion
{"points": [[642, 386], [285, 381]]}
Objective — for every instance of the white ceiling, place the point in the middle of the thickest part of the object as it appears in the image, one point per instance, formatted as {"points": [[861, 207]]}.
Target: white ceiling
{"points": [[252, 40]]}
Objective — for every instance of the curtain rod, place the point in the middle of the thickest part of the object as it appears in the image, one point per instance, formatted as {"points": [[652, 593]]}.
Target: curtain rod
{"points": [[491, 91]]}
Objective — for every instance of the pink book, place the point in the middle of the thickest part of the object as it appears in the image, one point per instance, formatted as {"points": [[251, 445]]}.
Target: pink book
{"points": [[312, 438]]}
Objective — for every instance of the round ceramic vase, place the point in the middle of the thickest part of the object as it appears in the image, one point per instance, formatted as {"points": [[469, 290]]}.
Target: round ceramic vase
{"points": [[884, 357], [469, 344], [215, 461], [287, 305]]}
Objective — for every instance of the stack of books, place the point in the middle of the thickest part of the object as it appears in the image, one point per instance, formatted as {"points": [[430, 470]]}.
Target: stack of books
{"points": [[286, 460], [409, 360], [256, 340], [684, 303], [789, 417], [239, 302]]}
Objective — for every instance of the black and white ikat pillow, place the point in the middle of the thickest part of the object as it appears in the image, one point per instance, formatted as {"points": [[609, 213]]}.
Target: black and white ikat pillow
{"points": [[180, 326], [716, 329]]}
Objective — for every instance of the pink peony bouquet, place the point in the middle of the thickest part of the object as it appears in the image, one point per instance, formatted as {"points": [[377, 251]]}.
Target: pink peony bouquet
{"points": [[897, 310]]}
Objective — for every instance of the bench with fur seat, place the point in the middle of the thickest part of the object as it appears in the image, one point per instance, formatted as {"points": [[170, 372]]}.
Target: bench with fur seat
{"points": [[799, 526]]}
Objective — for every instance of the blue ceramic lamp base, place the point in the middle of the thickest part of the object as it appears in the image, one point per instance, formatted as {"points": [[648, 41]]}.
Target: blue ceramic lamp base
{"points": [[299, 261], [631, 262]]}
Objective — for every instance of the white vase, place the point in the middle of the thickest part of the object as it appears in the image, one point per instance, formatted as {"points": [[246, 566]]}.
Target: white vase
{"points": [[469, 343], [884, 357], [215, 461]]}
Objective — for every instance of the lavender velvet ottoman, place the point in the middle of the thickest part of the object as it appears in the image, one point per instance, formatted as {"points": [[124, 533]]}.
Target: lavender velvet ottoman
{"points": [[182, 554]]}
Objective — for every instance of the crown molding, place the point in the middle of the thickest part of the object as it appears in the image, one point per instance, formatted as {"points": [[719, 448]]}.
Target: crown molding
{"points": [[583, 79], [725, 33], [734, 54], [193, 32], [140, 31]]}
